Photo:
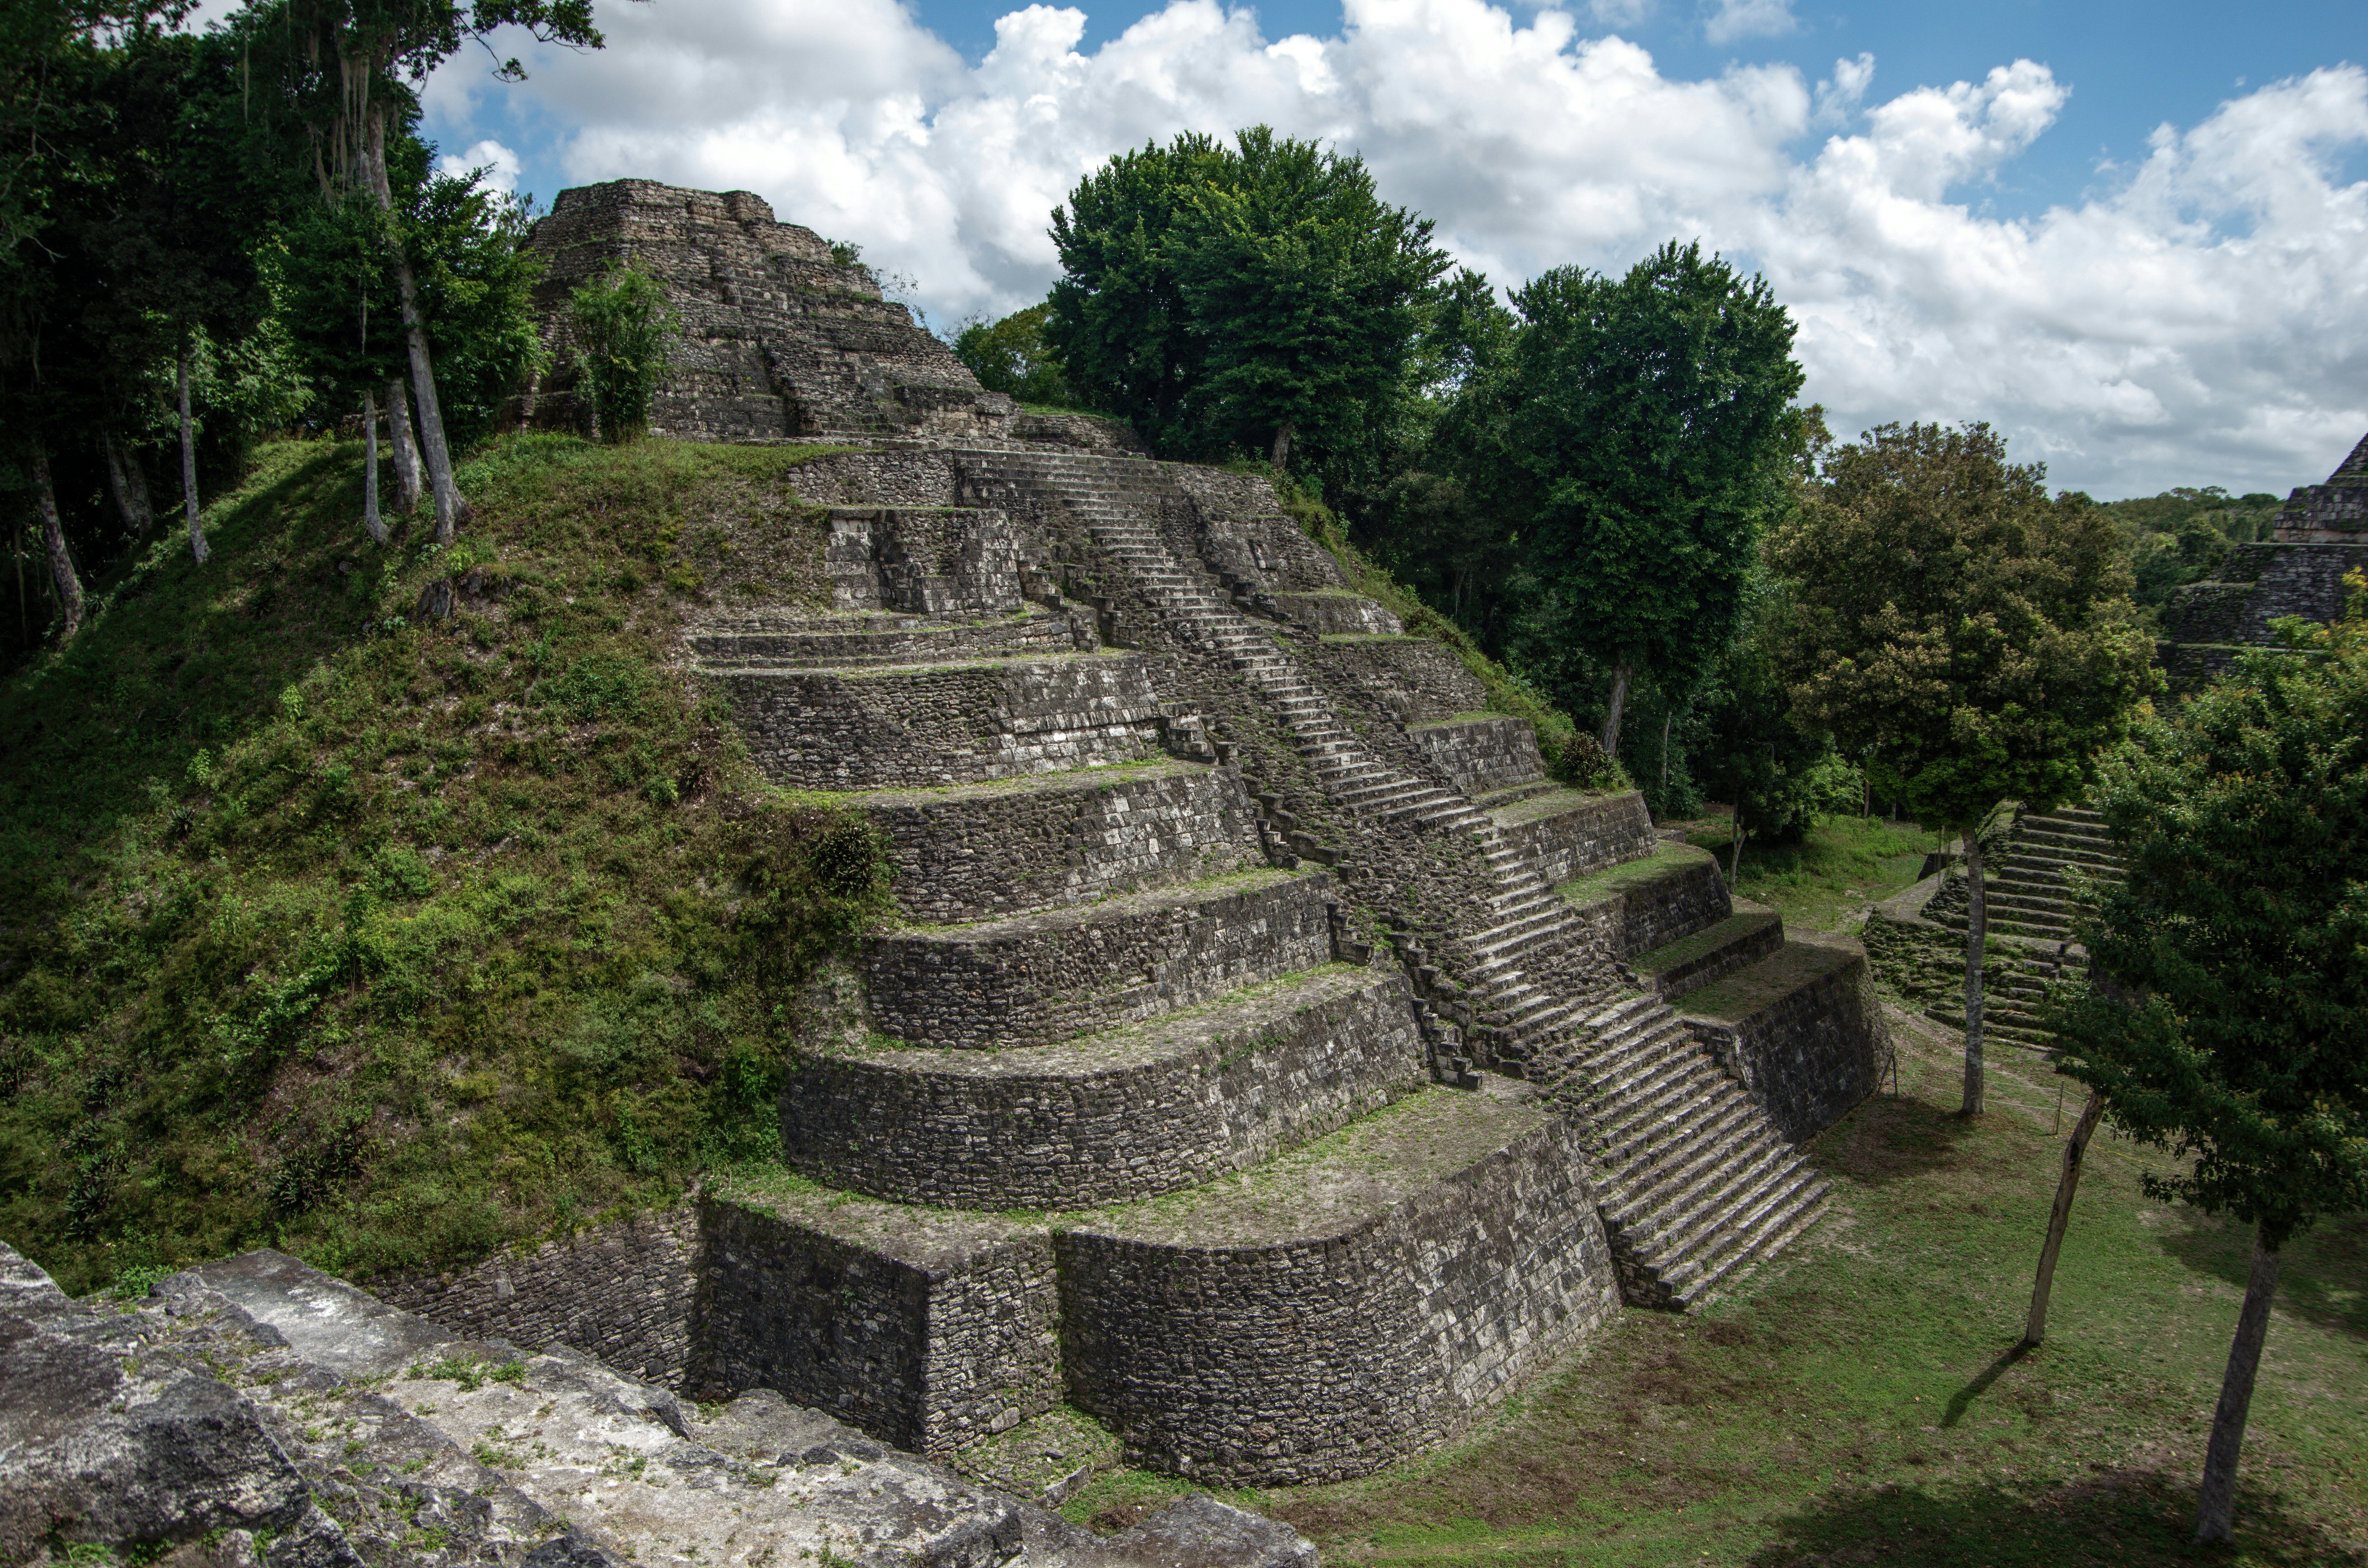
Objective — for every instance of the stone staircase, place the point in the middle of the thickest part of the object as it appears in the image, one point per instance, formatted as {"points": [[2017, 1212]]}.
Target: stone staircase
{"points": [[1693, 1181], [2032, 909], [1514, 1016]]}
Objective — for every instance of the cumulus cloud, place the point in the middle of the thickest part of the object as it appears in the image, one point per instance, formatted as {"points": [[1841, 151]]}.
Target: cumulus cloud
{"points": [[1733, 19], [2202, 321], [501, 166]]}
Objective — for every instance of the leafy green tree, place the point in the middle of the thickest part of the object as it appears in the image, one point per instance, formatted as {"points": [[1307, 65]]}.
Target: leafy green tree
{"points": [[1260, 297], [1310, 293], [1651, 433], [1746, 743], [1119, 322], [1015, 357], [2234, 1033], [343, 70], [622, 329], [2181, 534], [1973, 639]]}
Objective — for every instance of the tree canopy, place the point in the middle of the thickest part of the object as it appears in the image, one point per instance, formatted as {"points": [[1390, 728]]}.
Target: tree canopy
{"points": [[1260, 296]]}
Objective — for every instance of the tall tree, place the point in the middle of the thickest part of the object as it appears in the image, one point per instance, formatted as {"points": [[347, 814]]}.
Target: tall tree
{"points": [[2235, 1033], [1972, 637], [1014, 356], [344, 67], [1652, 430], [1258, 297]]}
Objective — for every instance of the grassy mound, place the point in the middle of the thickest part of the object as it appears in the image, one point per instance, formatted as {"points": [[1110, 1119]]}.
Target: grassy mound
{"points": [[388, 940]]}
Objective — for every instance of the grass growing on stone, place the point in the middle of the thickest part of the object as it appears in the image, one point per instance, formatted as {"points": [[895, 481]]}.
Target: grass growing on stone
{"points": [[1667, 858], [1840, 866], [1860, 1402], [387, 942]]}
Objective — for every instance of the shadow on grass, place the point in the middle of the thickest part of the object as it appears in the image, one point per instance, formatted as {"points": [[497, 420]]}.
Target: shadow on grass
{"points": [[2323, 1280], [2118, 1517], [1962, 1400], [1889, 1137]]}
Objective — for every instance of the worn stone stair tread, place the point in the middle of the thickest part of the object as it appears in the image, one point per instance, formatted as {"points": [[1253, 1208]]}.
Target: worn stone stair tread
{"points": [[1768, 982]]}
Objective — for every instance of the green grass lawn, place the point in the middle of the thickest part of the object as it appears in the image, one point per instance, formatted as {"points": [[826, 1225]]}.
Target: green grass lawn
{"points": [[1860, 1400], [1840, 866]]}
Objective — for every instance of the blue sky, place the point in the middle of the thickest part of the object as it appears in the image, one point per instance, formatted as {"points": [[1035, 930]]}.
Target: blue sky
{"points": [[2134, 237]]}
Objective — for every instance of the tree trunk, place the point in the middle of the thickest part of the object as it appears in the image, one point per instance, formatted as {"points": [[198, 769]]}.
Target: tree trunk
{"points": [[1280, 452], [1621, 674], [370, 519], [407, 451], [1734, 851], [2034, 1328], [451, 509], [189, 466], [2216, 1518], [1665, 759], [53, 537], [127, 486], [1977, 923]]}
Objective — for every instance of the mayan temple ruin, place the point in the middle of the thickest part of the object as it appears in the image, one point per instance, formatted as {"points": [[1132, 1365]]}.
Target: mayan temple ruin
{"points": [[2319, 538], [1267, 1060]]}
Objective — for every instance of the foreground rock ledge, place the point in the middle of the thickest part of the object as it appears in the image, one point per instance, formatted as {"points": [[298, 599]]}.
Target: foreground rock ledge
{"points": [[257, 1411]]}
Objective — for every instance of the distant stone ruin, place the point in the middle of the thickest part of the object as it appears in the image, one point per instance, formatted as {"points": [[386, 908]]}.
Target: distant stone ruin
{"points": [[1268, 1061], [2321, 535]]}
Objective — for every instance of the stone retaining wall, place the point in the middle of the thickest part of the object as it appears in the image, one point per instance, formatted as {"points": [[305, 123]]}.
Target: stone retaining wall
{"points": [[1326, 1353], [2259, 583], [1680, 891], [929, 1331], [1345, 614], [1812, 1049], [1416, 680], [925, 560], [1483, 756], [995, 852], [621, 1291], [1163, 1107], [1242, 532], [1566, 834], [954, 724], [839, 640], [878, 479], [1077, 971]]}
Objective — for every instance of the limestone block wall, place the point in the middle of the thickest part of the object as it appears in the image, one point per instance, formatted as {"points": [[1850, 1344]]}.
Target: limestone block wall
{"points": [[925, 560], [1181, 1100], [892, 478], [986, 852], [950, 724], [1340, 613], [1085, 432], [1567, 832], [929, 1331], [2258, 584], [1811, 1053], [622, 1291], [1482, 756], [1067, 973], [1242, 532], [1322, 1352], [1417, 679], [766, 642], [1646, 903]]}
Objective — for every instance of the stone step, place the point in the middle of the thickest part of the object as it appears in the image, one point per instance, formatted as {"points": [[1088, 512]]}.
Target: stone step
{"points": [[1691, 962], [1153, 1108], [1069, 972]]}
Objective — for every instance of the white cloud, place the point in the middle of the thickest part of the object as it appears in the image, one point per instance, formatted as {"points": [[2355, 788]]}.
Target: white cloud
{"points": [[1838, 96], [501, 166], [1733, 19], [2203, 322]]}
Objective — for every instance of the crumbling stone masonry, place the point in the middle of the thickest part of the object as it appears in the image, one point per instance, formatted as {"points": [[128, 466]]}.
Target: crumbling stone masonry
{"points": [[2318, 538]]}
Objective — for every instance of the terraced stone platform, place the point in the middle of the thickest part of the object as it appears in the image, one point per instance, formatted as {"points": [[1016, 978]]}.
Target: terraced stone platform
{"points": [[1270, 1060]]}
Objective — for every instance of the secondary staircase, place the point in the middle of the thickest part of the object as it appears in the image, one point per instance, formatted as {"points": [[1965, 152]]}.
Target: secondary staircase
{"points": [[1693, 1180], [2031, 906]]}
